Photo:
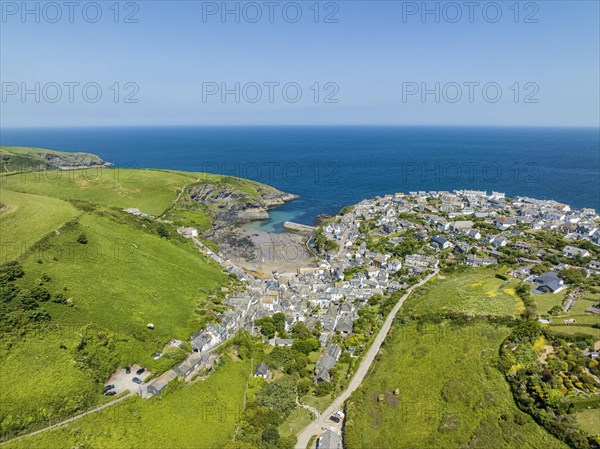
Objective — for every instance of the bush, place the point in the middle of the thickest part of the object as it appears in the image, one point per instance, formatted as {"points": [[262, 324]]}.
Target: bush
{"points": [[82, 239]]}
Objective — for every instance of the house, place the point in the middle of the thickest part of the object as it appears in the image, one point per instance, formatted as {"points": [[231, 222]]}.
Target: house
{"points": [[594, 265], [440, 242], [548, 283], [262, 370], [329, 440], [473, 233], [571, 251], [458, 226], [192, 363], [475, 261], [344, 326], [158, 385], [326, 362]]}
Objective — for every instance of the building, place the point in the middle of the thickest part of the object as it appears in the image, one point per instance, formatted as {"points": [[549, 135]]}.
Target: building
{"points": [[192, 363], [571, 251], [158, 385], [262, 370], [548, 283], [326, 362], [440, 242], [329, 440]]}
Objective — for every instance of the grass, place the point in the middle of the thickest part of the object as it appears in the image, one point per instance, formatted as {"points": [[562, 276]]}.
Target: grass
{"points": [[123, 279], [472, 292], [583, 319], [151, 191], [450, 394], [437, 385], [589, 421], [298, 419], [27, 218], [200, 416]]}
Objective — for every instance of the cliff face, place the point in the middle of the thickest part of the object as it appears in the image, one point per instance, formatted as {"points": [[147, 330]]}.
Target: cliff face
{"points": [[22, 158], [234, 206]]}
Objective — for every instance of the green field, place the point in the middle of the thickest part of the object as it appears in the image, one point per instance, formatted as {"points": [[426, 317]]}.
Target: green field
{"points": [[27, 218], [449, 394], [584, 320], [122, 278], [151, 191], [436, 385], [471, 292], [589, 420], [199, 416]]}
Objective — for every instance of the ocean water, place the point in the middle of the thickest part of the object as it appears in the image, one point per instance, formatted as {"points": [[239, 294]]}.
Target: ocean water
{"points": [[330, 167]]}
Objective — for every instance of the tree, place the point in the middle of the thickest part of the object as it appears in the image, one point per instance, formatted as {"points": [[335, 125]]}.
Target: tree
{"points": [[163, 232], [279, 322], [267, 327], [572, 275], [280, 395], [306, 346], [10, 271], [270, 433]]}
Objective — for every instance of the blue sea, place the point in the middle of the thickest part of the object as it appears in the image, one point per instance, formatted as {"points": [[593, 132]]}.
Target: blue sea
{"points": [[330, 167]]}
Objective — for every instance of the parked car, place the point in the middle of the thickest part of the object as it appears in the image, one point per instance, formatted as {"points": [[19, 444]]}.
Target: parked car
{"points": [[127, 370], [108, 387], [110, 393], [334, 418], [140, 371], [137, 380]]}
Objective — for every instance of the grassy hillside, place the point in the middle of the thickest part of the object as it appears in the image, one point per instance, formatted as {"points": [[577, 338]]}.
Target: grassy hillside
{"points": [[151, 191], [471, 292], [27, 218], [200, 416], [436, 384], [100, 275], [15, 159]]}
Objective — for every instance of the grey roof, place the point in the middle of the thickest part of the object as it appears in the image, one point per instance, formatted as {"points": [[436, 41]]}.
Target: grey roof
{"points": [[549, 280], [261, 369], [328, 440]]}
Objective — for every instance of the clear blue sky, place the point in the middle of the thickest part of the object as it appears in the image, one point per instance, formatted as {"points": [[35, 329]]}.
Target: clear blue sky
{"points": [[368, 54]]}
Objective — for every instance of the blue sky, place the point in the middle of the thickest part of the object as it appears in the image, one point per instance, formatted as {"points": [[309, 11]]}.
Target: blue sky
{"points": [[366, 61]]}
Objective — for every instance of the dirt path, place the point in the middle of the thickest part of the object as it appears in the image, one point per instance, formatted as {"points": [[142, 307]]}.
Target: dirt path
{"points": [[73, 418], [322, 421]]}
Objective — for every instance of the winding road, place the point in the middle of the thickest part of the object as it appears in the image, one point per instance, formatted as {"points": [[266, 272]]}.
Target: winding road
{"points": [[322, 421]]}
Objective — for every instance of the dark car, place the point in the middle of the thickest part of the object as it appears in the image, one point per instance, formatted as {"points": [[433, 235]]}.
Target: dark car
{"points": [[111, 393], [136, 380], [140, 371], [334, 418], [127, 369], [108, 387]]}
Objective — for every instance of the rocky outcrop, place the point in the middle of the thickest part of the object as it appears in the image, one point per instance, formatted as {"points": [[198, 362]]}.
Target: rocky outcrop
{"points": [[231, 205]]}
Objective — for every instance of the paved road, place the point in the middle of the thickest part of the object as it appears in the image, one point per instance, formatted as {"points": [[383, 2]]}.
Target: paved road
{"points": [[323, 422]]}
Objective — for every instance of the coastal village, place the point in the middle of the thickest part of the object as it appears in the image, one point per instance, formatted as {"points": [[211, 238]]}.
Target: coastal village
{"points": [[383, 245]]}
